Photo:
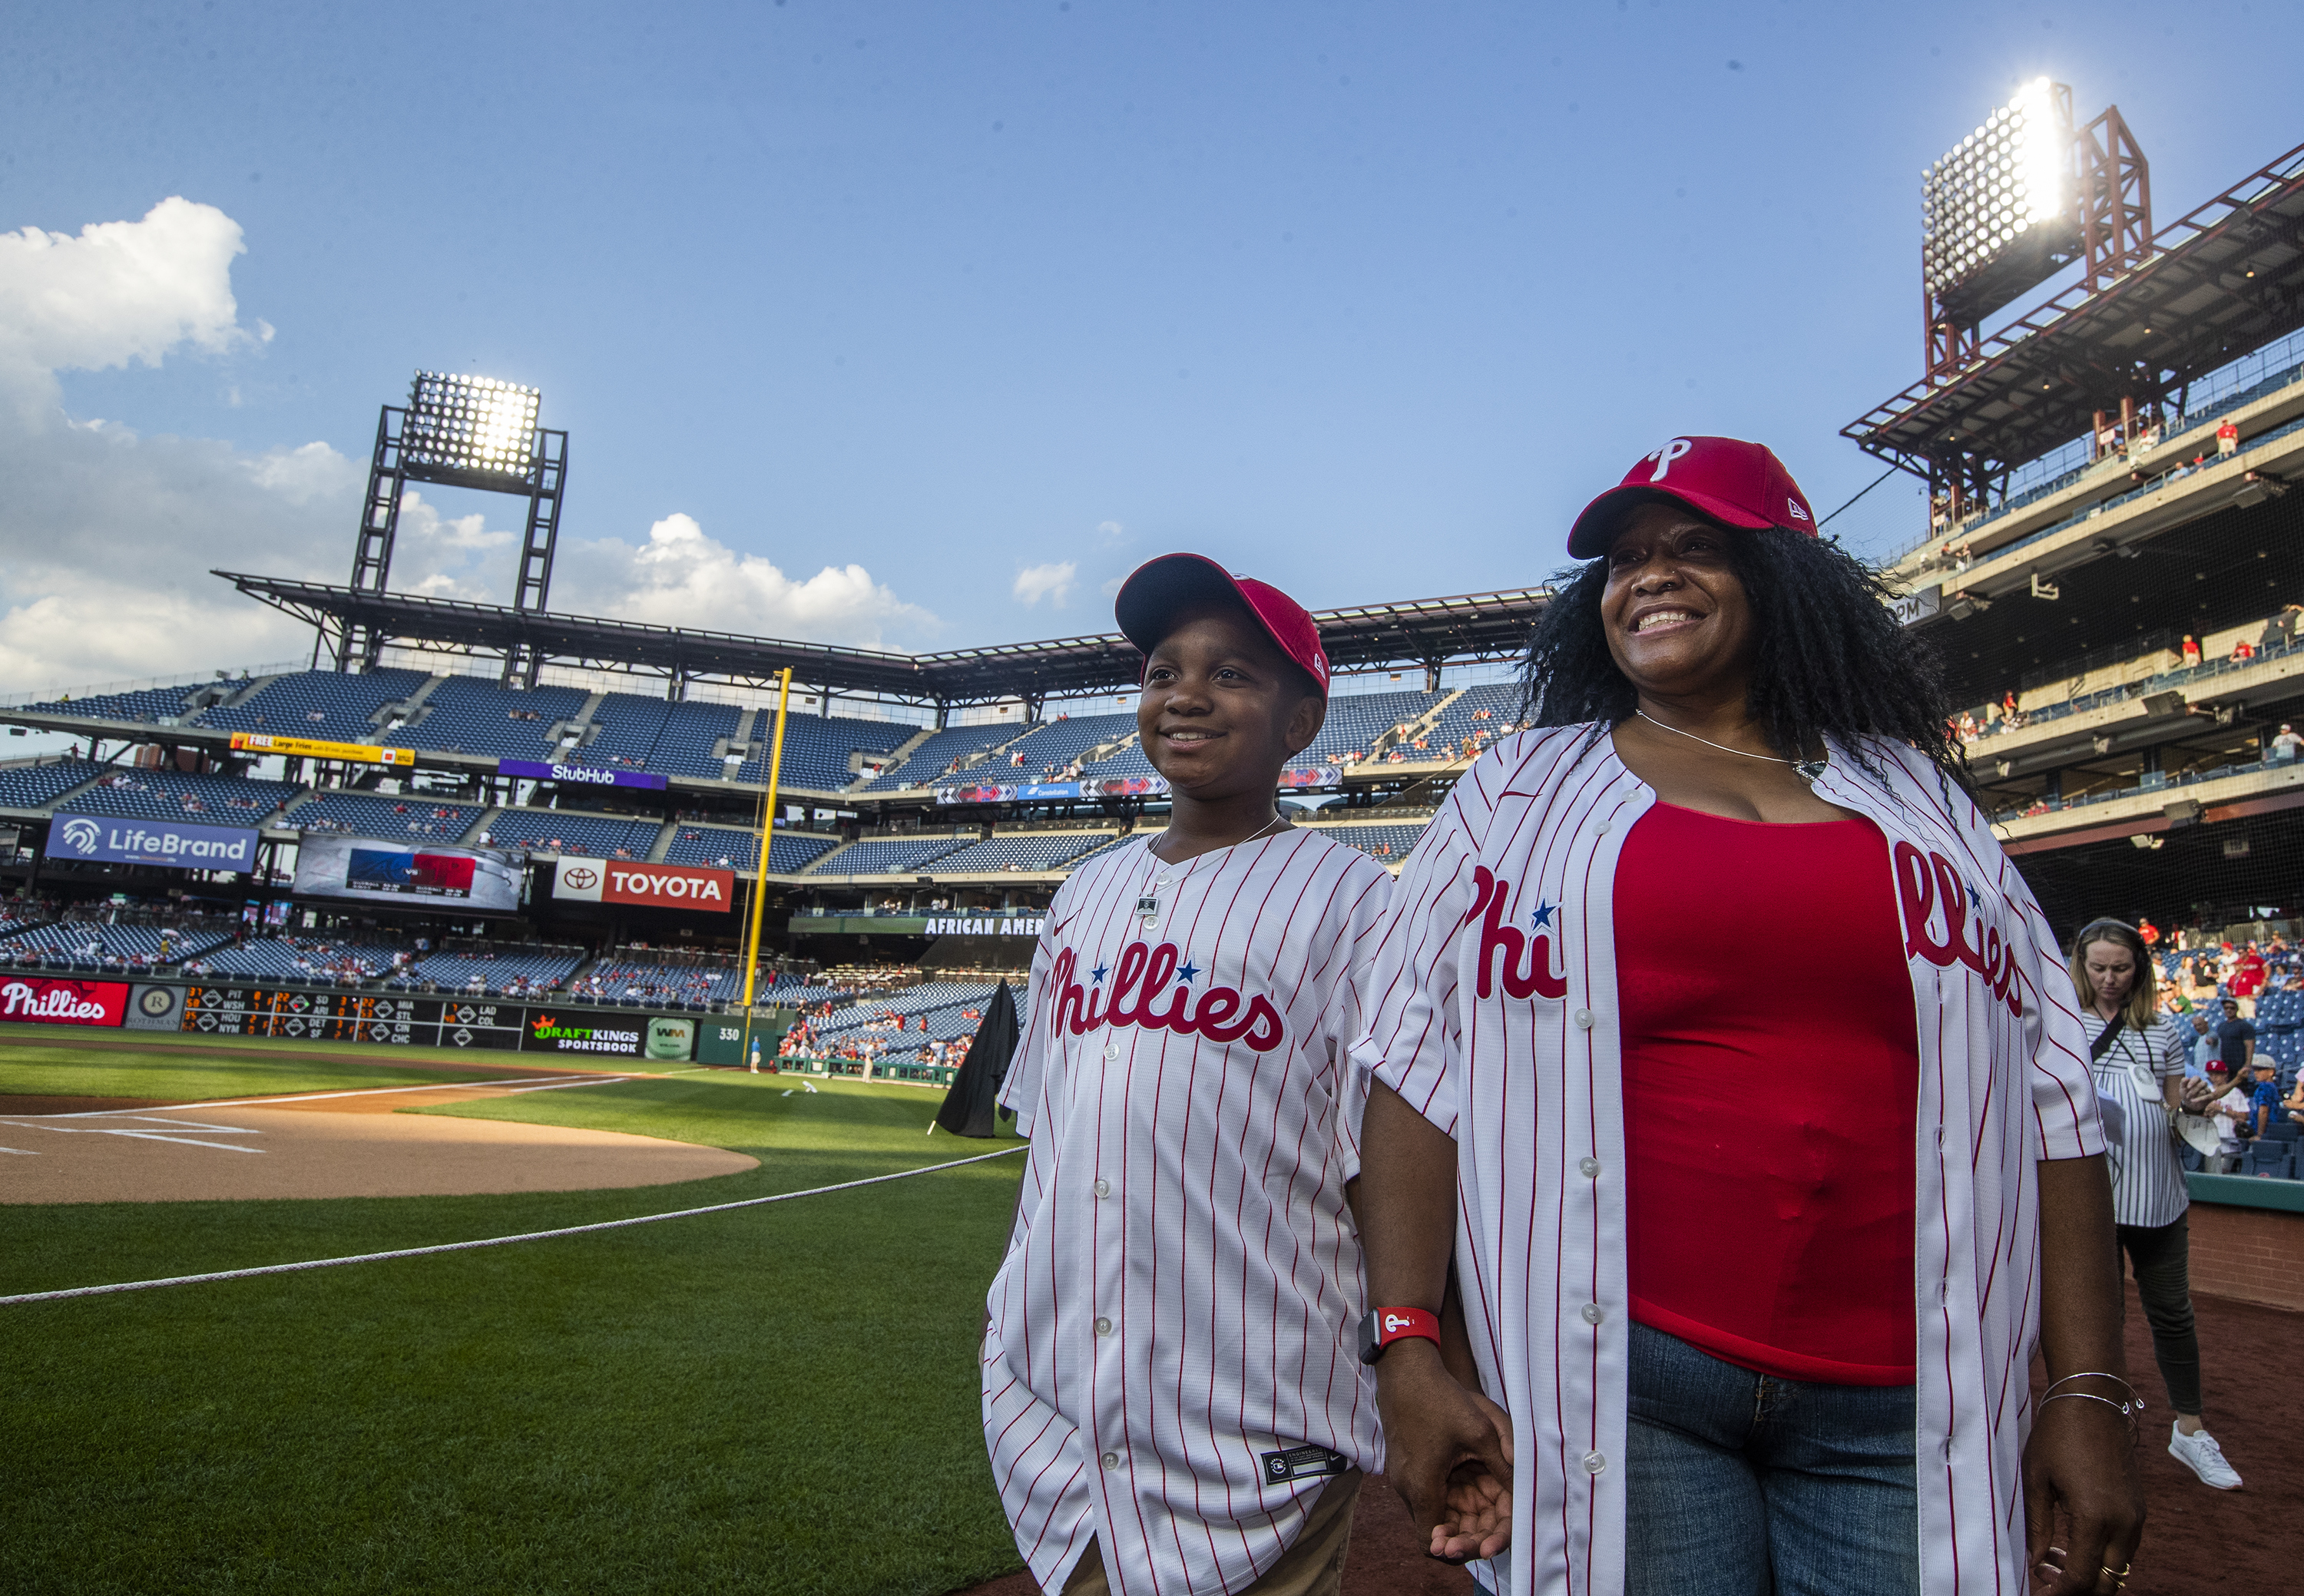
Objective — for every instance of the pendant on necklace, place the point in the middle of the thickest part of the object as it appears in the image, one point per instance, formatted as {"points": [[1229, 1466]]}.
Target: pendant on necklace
{"points": [[1147, 905], [1810, 770]]}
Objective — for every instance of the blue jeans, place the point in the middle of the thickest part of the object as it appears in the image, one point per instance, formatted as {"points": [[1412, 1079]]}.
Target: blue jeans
{"points": [[1744, 1484]]}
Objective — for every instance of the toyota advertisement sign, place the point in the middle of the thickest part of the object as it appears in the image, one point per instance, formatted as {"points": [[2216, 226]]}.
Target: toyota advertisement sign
{"points": [[41, 1002], [100, 837], [656, 886]]}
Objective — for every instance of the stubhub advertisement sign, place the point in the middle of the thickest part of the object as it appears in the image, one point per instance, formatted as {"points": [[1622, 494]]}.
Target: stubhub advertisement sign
{"points": [[588, 776], [152, 842]]}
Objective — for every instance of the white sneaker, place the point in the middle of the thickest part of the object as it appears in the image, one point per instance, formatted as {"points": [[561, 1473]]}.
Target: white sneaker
{"points": [[2200, 1453]]}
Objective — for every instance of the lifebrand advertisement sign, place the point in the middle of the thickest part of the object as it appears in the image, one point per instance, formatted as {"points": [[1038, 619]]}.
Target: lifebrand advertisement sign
{"points": [[152, 842], [30, 998], [658, 885], [320, 748]]}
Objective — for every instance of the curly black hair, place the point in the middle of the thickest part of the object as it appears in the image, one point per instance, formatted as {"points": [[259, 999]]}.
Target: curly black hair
{"points": [[1831, 657]]}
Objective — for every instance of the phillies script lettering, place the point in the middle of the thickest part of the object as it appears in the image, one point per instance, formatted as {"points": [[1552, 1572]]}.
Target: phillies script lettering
{"points": [[1142, 974], [1929, 882], [1526, 960]]}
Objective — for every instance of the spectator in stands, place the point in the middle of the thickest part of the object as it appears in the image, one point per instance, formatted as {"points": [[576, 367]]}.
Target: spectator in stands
{"points": [[2263, 1109], [2149, 933], [2280, 630], [2235, 1038], [2286, 745], [2228, 1109], [1711, 769], [2227, 440], [2243, 651], [2191, 651], [2139, 1062], [2247, 978]]}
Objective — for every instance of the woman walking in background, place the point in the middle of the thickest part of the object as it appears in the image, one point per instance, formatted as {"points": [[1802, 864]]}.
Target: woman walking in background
{"points": [[2139, 1066]]}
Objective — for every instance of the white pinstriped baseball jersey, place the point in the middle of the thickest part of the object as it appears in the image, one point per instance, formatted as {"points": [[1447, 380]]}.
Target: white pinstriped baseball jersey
{"points": [[1179, 1294], [1494, 1012], [2148, 1183]]}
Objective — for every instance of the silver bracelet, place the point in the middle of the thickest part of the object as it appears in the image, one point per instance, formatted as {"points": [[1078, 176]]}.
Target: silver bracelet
{"points": [[2121, 1408], [2134, 1405]]}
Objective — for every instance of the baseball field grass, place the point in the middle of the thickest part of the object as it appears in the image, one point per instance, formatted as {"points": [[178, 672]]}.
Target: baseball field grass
{"points": [[36, 1061], [778, 1399]]}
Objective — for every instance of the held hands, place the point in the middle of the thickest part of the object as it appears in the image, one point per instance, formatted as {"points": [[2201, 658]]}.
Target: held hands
{"points": [[1448, 1452], [2081, 1462]]}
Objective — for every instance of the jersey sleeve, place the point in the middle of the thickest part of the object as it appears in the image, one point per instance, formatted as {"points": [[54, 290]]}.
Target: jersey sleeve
{"points": [[1411, 1040], [1021, 1091], [1371, 887], [2065, 1121]]}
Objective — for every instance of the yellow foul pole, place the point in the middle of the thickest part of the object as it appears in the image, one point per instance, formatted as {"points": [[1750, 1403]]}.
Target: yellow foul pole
{"points": [[768, 835]]}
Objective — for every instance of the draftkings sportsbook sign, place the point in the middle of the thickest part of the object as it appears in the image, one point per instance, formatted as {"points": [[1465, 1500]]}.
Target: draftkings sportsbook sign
{"points": [[658, 885]]}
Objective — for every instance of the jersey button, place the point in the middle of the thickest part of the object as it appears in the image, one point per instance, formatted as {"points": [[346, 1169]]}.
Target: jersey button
{"points": [[1151, 922], [1590, 1168], [1112, 1460], [1103, 1188], [1594, 1313], [1583, 1017], [1594, 1462], [1103, 1326], [1113, 1051]]}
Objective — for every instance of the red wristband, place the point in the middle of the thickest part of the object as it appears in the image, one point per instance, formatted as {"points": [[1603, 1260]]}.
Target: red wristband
{"points": [[1384, 1326]]}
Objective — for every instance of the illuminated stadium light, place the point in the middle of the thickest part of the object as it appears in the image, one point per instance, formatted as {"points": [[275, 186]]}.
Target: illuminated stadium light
{"points": [[2000, 210], [470, 424]]}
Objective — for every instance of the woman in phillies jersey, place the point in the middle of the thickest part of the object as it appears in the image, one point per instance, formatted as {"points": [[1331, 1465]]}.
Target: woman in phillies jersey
{"points": [[1173, 1399], [1714, 1025]]}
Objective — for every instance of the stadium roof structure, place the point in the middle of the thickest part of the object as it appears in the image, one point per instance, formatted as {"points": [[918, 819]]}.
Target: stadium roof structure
{"points": [[2225, 279], [1424, 631]]}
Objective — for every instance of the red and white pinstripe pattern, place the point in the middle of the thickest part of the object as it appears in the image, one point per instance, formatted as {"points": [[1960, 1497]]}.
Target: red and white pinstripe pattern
{"points": [[1494, 1012], [1194, 1115]]}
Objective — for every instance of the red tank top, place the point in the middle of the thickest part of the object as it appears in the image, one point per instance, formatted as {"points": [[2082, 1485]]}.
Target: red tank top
{"points": [[1771, 1084]]}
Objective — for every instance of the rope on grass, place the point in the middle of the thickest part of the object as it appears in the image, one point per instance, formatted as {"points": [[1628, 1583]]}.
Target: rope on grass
{"points": [[491, 1241]]}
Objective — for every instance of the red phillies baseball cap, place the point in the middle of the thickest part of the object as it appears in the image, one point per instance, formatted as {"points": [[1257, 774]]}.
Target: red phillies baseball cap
{"points": [[1151, 598], [1733, 482]]}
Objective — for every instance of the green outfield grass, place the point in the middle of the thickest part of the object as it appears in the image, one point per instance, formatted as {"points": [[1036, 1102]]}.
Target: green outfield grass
{"points": [[51, 1061], [780, 1399]]}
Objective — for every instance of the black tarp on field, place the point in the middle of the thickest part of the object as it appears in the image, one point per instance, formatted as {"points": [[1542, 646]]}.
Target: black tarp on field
{"points": [[971, 1108]]}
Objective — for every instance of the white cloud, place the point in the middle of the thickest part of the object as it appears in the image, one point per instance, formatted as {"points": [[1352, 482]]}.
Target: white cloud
{"points": [[1052, 582], [682, 577], [107, 537], [1111, 529], [120, 293]]}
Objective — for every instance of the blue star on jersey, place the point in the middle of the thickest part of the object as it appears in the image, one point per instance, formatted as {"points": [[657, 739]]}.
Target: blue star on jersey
{"points": [[1540, 916], [1098, 974], [1187, 972]]}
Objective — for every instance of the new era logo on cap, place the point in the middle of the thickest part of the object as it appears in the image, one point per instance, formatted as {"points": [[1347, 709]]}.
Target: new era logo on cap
{"points": [[1736, 483]]}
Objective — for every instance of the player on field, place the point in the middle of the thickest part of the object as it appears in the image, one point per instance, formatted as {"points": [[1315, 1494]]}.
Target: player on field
{"points": [[1174, 1399]]}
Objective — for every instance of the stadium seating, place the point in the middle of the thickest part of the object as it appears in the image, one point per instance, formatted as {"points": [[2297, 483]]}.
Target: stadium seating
{"points": [[464, 714], [147, 706], [1356, 720], [570, 831], [1486, 709], [1038, 851], [931, 760], [639, 734], [816, 748], [324, 704], [367, 814], [309, 959], [639, 983], [1390, 844], [507, 970], [1052, 745], [884, 856], [93, 945], [173, 795], [35, 786], [727, 848]]}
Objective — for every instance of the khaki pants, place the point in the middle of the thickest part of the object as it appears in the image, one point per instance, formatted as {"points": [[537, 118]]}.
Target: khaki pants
{"points": [[1313, 1567]]}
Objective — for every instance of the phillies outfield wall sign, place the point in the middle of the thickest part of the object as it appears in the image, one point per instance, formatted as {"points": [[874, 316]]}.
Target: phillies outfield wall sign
{"points": [[583, 776], [152, 842], [659, 886], [41, 1002]]}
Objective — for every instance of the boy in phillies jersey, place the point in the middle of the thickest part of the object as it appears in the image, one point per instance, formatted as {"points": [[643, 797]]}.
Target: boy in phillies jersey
{"points": [[1174, 1400]]}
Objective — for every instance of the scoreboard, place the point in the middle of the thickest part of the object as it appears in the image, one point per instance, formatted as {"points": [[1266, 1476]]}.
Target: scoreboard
{"points": [[352, 1017]]}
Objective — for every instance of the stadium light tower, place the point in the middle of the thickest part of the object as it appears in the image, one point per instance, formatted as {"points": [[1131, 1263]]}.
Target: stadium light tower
{"points": [[2019, 198], [464, 432]]}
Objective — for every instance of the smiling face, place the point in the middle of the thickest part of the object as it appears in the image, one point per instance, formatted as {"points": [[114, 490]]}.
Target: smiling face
{"points": [[1223, 708], [1677, 619]]}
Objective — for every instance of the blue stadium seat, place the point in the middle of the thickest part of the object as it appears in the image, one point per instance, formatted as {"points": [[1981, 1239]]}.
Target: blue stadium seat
{"points": [[1045, 850], [36, 787], [464, 714], [573, 832], [726, 848], [671, 739], [173, 795], [324, 704], [882, 857], [375, 814]]}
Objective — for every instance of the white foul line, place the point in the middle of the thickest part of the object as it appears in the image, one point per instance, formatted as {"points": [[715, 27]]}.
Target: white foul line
{"points": [[314, 1096], [493, 1241]]}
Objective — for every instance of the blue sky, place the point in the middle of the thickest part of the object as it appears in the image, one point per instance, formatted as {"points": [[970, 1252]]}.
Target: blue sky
{"points": [[1365, 300]]}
